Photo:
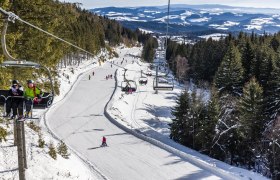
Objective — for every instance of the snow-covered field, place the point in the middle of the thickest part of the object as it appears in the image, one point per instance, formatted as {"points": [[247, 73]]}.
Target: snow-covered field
{"points": [[79, 121], [215, 36], [203, 19]]}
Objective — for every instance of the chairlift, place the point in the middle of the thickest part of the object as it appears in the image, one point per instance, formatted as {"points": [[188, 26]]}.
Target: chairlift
{"points": [[143, 80], [163, 84], [47, 98], [148, 73], [128, 85]]}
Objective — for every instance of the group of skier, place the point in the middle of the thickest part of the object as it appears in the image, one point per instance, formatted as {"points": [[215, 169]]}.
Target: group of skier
{"points": [[17, 97], [110, 76]]}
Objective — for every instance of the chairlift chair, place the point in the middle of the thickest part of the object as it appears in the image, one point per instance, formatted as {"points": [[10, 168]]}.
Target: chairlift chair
{"points": [[148, 73], [163, 84], [128, 84], [143, 80], [47, 98]]}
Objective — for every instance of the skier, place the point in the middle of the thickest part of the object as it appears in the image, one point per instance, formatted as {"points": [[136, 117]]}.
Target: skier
{"points": [[103, 142], [88, 77], [93, 73]]}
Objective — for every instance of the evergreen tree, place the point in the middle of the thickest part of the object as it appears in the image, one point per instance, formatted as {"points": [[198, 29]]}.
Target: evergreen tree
{"points": [[251, 120], [274, 43], [273, 92], [247, 60], [207, 129], [225, 140], [229, 77], [265, 67], [195, 120], [148, 52], [63, 150], [52, 151], [180, 112]]}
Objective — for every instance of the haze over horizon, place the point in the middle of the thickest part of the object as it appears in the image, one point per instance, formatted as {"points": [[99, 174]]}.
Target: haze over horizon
{"points": [[89, 4]]}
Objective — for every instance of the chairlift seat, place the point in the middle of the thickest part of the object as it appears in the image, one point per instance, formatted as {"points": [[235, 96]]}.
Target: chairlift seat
{"points": [[126, 85], [3, 95], [45, 102], [149, 73], [143, 80], [21, 63], [163, 84]]}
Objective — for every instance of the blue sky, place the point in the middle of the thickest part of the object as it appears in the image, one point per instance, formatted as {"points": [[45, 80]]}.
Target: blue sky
{"points": [[122, 3]]}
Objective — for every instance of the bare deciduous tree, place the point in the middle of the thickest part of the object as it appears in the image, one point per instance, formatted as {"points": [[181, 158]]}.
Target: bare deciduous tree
{"points": [[182, 67]]}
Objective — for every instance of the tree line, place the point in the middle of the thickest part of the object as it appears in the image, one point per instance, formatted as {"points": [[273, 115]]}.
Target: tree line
{"points": [[239, 124], [66, 20]]}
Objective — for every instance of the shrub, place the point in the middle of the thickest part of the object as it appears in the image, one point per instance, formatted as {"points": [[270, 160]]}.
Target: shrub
{"points": [[41, 141], [52, 151], [34, 127], [3, 134], [63, 150]]}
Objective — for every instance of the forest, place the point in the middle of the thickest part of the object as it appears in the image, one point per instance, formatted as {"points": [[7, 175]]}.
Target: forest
{"points": [[239, 123], [67, 21]]}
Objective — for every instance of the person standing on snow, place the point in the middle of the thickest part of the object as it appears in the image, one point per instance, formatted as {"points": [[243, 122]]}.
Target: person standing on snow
{"points": [[104, 143]]}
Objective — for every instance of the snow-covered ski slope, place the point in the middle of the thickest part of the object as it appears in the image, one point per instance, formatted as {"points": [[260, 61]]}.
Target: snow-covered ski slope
{"points": [[80, 122]]}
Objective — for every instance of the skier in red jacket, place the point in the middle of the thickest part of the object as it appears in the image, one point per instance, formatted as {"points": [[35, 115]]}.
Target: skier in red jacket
{"points": [[104, 141]]}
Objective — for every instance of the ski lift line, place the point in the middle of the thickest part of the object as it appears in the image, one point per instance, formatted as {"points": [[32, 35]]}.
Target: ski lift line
{"points": [[167, 24], [12, 17]]}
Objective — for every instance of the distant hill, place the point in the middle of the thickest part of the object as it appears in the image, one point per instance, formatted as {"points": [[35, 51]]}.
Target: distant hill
{"points": [[196, 19]]}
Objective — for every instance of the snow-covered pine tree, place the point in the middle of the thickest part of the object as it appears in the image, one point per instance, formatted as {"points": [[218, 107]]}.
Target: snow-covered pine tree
{"points": [[273, 92], [52, 151], [225, 140], [180, 112], [252, 123], [229, 77], [195, 120], [63, 150], [207, 128]]}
